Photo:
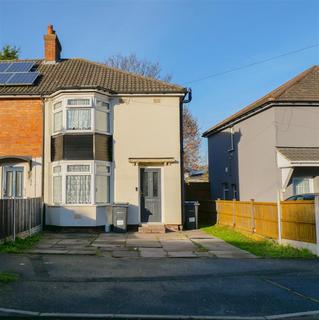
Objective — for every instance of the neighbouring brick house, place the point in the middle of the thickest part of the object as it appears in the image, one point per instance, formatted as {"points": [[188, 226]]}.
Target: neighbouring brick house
{"points": [[83, 135], [271, 147]]}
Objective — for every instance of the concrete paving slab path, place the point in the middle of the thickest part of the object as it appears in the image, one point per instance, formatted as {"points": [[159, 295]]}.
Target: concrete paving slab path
{"points": [[143, 243], [152, 253], [192, 243], [182, 254]]}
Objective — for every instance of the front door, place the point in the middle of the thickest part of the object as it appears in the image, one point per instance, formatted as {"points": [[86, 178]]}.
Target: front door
{"points": [[150, 195], [12, 182]]}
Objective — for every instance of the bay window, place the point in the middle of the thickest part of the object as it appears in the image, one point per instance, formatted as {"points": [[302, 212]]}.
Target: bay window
{"points": [[82, 183], [81, 114]]}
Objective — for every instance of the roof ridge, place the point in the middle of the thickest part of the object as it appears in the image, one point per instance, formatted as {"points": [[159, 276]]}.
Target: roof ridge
{"points": [[19, 60], [100, 64]]}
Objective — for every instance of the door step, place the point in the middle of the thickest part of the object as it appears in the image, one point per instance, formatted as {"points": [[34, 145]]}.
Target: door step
{"points": [[152, 228]]}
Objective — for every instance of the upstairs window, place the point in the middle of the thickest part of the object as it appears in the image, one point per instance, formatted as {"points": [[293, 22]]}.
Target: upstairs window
{"points": [[81, 114], [102, 116], [78, 119]]}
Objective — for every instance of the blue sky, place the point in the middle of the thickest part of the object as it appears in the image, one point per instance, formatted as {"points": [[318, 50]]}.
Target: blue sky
{"points": [[190, 38]]}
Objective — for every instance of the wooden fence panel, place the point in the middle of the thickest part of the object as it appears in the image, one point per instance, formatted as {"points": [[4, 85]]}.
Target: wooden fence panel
{"points": [[19, 215], [298, 221], [243, 215], [266, 219], [225, 213]]}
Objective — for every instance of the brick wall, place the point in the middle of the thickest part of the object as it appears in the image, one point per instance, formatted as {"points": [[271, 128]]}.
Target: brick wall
{"points": [[21, 127]]}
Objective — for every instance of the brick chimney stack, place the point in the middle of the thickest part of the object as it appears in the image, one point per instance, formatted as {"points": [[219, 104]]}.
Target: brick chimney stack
{"points": [[52, 46]]}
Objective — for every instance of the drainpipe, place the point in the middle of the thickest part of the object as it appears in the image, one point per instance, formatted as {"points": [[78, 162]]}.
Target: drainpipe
{"points": [[188, 94], [42, 171]]}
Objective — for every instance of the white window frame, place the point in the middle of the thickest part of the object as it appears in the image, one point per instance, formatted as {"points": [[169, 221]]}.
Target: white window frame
{"points": [[15, 168], [92, 172], [225, 190], [106, 174], [64, 107], [311, 183], [106, 110]]}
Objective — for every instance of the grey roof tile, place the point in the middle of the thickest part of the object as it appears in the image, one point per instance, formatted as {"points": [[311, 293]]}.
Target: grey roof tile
{"points": [[81, 73]]}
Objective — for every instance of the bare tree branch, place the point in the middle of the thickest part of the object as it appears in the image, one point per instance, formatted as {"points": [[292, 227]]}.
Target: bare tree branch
{"points": [[192, 140], [132, 63]]}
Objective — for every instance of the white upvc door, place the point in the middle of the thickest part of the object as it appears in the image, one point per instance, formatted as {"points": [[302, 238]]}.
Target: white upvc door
{"points": [[12, 182]]}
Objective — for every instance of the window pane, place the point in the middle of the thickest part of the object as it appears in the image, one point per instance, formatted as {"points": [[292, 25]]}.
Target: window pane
{"points": [[145, 183], [301, 185], [57, 105], [8, 184], [101, 121], [155, 184], [57, 189], [100, 103], [102, 169], [79, 119], [78, 189], [79, 102], [57, 121], [78, 168], [19, 184], [57, 169], [102, 192]]}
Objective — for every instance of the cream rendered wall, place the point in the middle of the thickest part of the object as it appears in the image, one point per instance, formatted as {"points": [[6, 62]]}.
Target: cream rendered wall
{"points": [[31, 179], [78, 215], [147, 127]]}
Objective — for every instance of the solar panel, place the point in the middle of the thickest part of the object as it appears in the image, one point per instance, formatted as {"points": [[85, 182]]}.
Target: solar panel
{"points": [[4, 66], [20, 67], [4, 77], [22, 78]]}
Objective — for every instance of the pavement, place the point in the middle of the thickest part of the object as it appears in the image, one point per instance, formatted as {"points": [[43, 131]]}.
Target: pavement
{"points": [[57, 286], [186, 244]]}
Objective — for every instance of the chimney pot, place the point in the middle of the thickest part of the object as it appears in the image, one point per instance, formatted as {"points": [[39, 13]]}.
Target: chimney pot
{"points": [[50, 29]]}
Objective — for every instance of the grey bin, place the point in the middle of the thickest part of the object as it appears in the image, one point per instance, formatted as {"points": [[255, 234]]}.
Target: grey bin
{"points": [[119, 217], [191, 215]]}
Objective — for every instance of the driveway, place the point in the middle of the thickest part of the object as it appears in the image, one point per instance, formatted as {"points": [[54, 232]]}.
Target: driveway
{"points": [[187, 244]]}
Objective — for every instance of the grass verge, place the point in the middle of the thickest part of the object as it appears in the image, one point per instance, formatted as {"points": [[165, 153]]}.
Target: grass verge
{"points": [[6, 277], [260, 248], [20, 244]]}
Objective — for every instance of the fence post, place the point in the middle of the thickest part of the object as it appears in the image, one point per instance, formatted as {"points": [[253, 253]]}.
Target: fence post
{"points": [[253, 226], [217, 210], [14, 219], [317, 221], [29, 203], [234, 213], [279, 217]]}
